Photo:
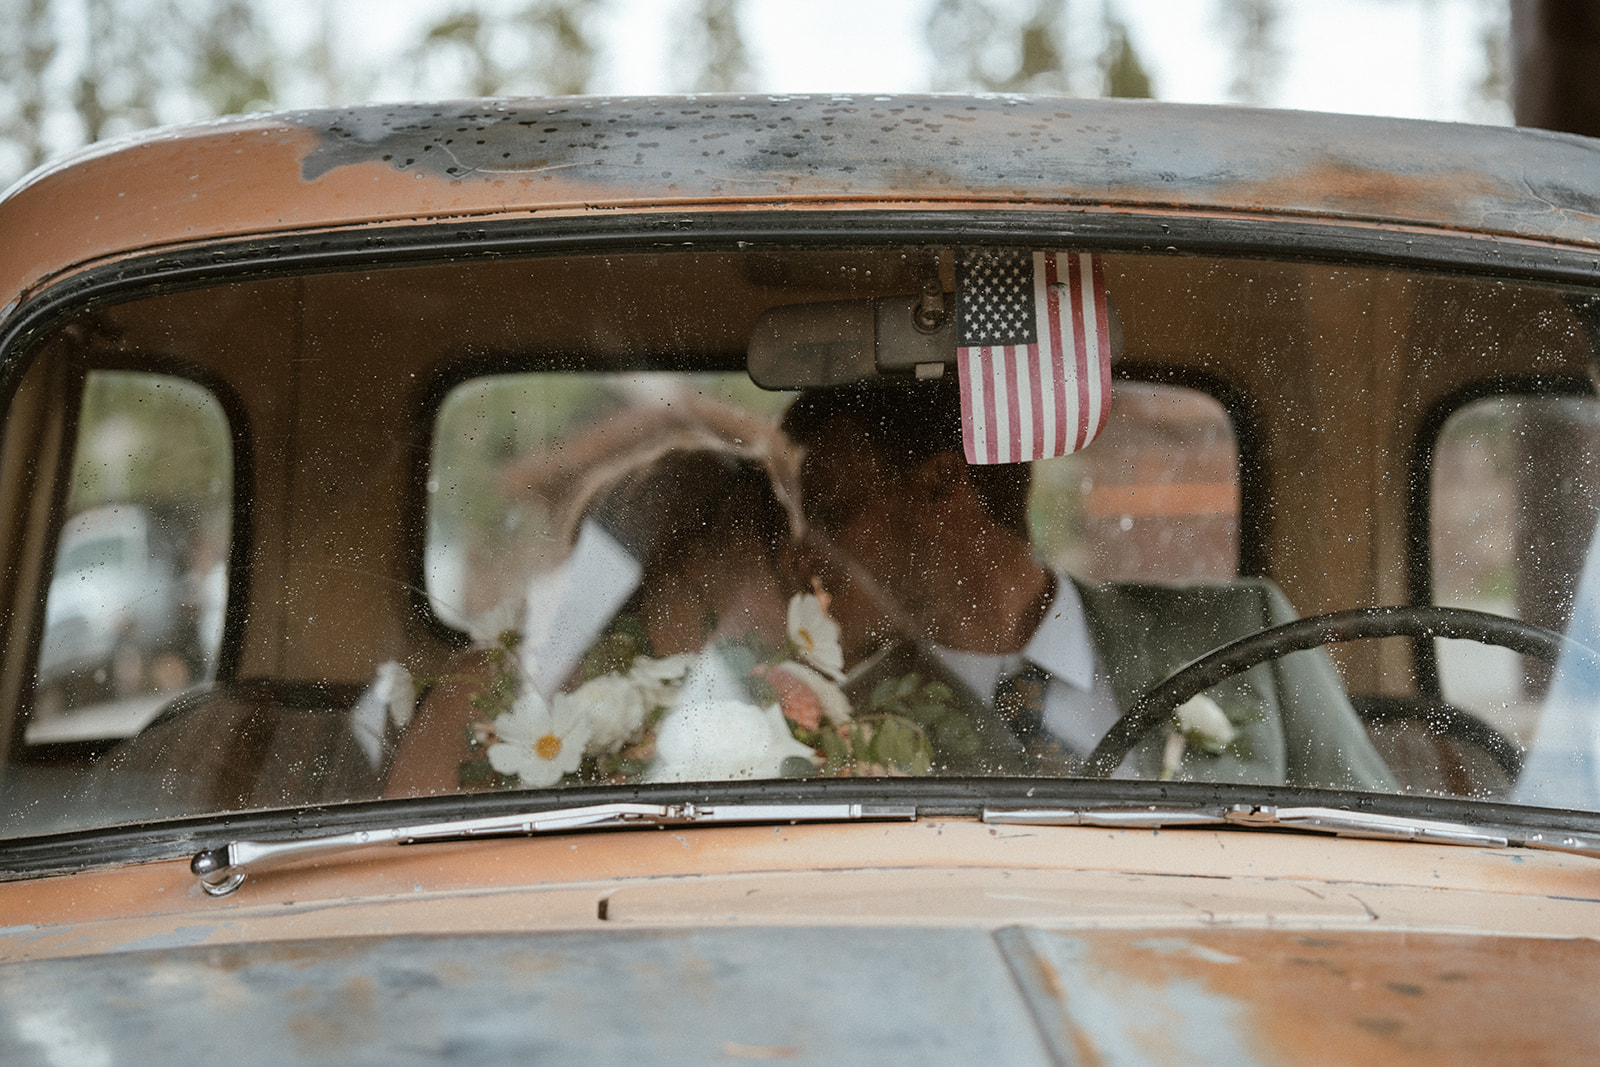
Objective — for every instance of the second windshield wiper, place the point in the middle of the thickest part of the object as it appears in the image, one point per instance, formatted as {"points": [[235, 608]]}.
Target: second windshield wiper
{"points": [[1365, 824], [222, 870]]}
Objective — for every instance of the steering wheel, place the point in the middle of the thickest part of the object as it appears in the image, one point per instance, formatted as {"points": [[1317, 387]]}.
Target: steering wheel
{"points": [[1158, 703]]}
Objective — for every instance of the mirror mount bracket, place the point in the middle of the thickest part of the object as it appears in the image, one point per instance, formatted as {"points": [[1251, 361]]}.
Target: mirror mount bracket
{"points": [[932, 310]]}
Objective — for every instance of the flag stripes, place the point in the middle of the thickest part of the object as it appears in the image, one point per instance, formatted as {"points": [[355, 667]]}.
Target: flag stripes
{"points": [[1033, 354]]}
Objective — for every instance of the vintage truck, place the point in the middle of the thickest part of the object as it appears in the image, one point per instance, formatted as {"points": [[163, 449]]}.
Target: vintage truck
{"points": [[668, 606]]}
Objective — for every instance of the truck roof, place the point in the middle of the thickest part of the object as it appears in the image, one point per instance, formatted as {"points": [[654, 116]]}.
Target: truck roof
{"points": [[386, 165]]}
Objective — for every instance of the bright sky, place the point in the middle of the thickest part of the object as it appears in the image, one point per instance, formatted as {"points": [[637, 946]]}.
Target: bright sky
{"points": [[1416, 58]]}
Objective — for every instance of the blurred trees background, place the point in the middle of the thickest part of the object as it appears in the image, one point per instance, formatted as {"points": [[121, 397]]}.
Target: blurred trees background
{"points": [[72, 73], [1033, 47], [76, 71]]}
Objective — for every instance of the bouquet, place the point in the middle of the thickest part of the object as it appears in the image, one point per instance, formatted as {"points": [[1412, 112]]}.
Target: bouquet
{"points": [[735, 710]]}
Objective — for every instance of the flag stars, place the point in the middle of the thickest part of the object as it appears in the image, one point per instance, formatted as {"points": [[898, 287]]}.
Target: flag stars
{"points": [[995, 298]]}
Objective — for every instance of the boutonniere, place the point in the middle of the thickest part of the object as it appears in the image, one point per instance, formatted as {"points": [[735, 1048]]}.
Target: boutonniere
{"points": [[1199, 723]]}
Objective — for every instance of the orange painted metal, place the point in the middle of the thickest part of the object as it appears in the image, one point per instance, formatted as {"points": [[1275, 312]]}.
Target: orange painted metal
{"points": [[1333, 998], [312, 171], [953, 872], [1300, 949]]}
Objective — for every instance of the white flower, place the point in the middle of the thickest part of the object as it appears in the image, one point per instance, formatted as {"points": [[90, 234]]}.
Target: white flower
{"points": [[392, 697], [1199, 720], [815, 635], [613, 708], [398, 691], [658, 679], [486, 629], [1206, 724], [1172, 755], [718, 739], [539, 742], [392, 694]]}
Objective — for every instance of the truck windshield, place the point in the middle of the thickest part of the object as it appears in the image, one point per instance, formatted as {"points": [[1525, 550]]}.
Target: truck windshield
{"points": [[577, 521]]}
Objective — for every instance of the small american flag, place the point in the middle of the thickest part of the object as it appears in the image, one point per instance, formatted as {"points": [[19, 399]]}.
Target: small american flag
{"points": [[1033, 350]]}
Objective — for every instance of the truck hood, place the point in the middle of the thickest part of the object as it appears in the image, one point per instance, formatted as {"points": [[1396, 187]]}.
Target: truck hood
{"points": [[1016, 994]]}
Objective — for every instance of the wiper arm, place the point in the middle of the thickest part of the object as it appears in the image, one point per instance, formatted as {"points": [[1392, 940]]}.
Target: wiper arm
{"points": [[1364, 824], [222, 870]]}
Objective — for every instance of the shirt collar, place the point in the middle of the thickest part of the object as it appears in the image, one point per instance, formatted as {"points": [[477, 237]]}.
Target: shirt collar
{"points": [[1061, 645]]}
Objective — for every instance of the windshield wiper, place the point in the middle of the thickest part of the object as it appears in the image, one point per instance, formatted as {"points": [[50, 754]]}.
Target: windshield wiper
{"points": [[1364, 824], [222, 870]]}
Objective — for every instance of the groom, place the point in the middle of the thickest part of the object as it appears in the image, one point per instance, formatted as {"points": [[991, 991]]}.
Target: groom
{"points": [[931, 570]]}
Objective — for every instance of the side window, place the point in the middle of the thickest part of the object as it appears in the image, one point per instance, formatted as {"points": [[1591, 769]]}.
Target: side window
{"points": [[1514, 488], [1155, 498], [135, 606]]}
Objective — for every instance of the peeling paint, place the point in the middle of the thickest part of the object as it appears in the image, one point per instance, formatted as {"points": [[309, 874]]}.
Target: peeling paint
{"points": [[1169, 946], [1120, 1017], [179, 937], [509, 158]]}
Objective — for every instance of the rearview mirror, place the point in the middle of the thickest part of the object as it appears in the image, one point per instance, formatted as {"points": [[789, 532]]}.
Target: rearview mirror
{"points": [[803, 346]]}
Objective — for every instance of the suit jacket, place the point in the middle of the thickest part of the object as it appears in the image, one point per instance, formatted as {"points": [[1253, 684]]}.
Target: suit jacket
{"points": [[1295, 724]]}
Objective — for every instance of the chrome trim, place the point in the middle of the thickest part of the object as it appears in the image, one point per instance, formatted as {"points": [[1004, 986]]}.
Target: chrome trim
{"points": [[223, 870]]}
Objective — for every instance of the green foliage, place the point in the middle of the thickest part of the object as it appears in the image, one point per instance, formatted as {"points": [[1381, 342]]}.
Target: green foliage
{"points": [[712, 46], [27, 50], [543, 47], [460, 27], [616, 650], [478, 773], [1124, 74], [236, 64], [122, 68], [927, 706], [988, 45], [907, 727], [105, 67], [1004, 46], [900, 745], [492, 697], [153, 439], [483, 428], [1252, 26]]}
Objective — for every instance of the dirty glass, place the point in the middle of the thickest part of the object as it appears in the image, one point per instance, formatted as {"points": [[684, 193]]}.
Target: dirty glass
{"points": [[1514, 494], [1156, 498], [665, 516], [133, 610]]}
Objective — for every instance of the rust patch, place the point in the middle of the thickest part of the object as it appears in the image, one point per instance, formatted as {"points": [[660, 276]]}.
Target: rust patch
{"points": [[734, 1050], [1084, 1049], [316, 170], [1048, 977], [1340, 187], [339, 1020], [1385, 997]]}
